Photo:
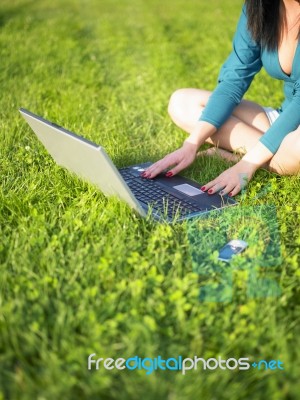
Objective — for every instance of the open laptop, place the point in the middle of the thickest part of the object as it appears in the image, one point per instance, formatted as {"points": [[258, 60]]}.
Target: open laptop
{"points": [[165, 198]]}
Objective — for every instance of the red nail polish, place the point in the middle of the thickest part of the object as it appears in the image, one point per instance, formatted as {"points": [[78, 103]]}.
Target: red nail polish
{"points": [[169, 174], [210, 191], [203, 188], [230, 194]]}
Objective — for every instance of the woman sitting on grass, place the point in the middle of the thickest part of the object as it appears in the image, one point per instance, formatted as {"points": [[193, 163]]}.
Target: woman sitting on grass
{"points": [[267, 35]]}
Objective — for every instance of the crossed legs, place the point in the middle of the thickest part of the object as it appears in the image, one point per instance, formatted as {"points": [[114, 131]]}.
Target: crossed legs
{"points": [[239, 133]]}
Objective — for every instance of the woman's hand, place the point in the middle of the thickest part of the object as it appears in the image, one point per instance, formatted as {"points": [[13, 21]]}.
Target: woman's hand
{"points": [[180, 159], [232, 180]]}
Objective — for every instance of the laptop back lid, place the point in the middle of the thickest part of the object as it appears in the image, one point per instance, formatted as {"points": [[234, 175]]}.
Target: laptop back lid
{"points": [[82, 157]]}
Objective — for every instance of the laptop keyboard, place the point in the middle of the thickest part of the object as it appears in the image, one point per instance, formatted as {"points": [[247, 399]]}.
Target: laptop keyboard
{"points": [[149, 192]]}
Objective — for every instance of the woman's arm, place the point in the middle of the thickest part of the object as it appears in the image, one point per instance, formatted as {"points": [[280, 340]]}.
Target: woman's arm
{"points": [[287, 122], [234, 79]]}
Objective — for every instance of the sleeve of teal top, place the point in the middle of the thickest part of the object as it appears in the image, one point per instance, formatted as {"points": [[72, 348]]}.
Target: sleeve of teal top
{"points": [[287, 122], [235, 76]]}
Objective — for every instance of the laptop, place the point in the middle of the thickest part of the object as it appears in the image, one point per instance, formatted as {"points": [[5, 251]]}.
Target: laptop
{"points": [[167, 199]]}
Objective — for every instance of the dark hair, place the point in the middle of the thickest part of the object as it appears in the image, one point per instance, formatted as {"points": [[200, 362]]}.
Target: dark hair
{"points": [[265, 19]]}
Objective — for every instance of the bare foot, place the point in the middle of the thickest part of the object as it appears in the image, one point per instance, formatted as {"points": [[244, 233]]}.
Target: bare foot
{"points": [[225, 154]]}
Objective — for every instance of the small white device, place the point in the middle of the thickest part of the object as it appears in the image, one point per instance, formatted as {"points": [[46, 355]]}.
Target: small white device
{"points": [[232, 248]]}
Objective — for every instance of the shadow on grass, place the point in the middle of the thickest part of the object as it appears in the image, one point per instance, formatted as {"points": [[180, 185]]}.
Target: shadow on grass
{"points": [[12, 11]]}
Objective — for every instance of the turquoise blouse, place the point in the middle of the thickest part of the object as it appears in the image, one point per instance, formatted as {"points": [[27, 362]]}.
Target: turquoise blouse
{"points": [[236, 75]]}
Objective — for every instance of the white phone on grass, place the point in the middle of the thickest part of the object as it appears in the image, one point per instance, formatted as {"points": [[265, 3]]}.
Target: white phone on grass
{"points": [[232, 248]]}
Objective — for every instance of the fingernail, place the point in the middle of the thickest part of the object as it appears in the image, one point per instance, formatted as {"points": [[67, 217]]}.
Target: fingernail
{"points": [[210, 191], [221, 193], [203, 188], [230, 194], [169, 174]]}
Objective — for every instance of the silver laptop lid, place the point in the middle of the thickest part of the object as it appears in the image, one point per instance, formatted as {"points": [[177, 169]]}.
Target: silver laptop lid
{"points": [[82, 157]]}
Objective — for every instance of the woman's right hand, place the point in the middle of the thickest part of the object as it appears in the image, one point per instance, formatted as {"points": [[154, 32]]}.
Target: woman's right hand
{"points": [[178, 159]]}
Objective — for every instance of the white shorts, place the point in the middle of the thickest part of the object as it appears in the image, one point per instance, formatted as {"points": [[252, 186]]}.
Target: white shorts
{"points": [[271, 113]]}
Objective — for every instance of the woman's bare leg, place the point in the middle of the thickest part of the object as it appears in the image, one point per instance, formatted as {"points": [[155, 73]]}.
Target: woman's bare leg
{"points": [[286, 161], [240, 132]]}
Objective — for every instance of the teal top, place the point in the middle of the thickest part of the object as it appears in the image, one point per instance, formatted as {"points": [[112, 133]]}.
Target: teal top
{"points": [[236, 75]]}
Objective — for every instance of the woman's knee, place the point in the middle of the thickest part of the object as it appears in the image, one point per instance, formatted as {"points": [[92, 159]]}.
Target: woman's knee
{"points": [[287, 160], [295, 148], [185, 104], [177, 101], [291, 143]]}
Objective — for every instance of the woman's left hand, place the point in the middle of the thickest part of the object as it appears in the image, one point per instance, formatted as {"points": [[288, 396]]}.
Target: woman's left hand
{"points": [[232, 180]]}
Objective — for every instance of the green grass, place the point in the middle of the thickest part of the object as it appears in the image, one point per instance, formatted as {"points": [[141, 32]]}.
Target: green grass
{"points": [[80, 273]]}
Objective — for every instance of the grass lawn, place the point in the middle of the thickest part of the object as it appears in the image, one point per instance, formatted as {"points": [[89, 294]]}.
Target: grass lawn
{"points": [[80, 273]]}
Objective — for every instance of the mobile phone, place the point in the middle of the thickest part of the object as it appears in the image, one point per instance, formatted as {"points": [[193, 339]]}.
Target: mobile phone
{"points": [[232, 248]]}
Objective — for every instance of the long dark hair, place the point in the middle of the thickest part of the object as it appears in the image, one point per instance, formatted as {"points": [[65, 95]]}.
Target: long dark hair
{"points": [[265, 19]]}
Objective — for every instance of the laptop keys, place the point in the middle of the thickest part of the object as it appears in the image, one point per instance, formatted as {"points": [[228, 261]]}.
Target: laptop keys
{"points": [[148, 192]]}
